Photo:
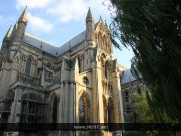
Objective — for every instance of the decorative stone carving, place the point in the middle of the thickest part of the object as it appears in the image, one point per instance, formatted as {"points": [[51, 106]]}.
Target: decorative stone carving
{"points": [[48, 76], [27, 79]]}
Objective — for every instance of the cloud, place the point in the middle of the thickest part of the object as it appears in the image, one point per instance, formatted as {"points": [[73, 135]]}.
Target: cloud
{"points": [[67, 10], [37, 23], [76, 9], [33, 3]]}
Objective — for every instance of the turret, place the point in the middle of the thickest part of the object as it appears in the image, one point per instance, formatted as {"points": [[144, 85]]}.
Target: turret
{"points": [[107, 27], [6, 38], [19, 28], [17, 34], [8, 34], [90, 27]]}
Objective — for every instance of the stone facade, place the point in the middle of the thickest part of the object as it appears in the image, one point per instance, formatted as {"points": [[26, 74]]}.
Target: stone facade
{"points": [[77, 82]]}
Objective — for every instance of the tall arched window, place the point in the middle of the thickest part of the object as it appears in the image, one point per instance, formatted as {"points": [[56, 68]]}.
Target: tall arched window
{"points": [[81, 110], [28, 66], [55, 110], [105, 70], [84, 108], [139, 90], [126, 96]]}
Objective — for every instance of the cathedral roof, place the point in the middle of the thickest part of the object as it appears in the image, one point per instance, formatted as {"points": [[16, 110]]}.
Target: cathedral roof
{"points": [[126, 77], [51, 49]]}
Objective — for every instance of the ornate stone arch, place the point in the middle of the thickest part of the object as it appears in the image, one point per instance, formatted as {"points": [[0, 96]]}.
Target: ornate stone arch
{"points": [[84, 107], [28, 66], [54, 107]]}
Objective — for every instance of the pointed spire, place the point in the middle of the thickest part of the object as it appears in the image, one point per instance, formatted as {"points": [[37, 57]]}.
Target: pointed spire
{"points": [[15, 27], [106, 26], [23, 18], [8, 33], [89, 14], [100, 20], [105, 23]]}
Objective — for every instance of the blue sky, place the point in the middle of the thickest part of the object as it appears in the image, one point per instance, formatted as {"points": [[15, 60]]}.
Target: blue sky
{"points": [[57, 21]]}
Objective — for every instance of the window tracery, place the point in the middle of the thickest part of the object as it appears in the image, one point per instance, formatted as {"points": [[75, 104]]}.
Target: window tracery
{"points": [[81, 110], [84, 108], [102, 40], [28, 67]]}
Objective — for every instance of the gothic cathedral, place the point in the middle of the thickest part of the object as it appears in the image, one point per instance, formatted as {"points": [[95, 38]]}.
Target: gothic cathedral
{"points": [[79, 82]]}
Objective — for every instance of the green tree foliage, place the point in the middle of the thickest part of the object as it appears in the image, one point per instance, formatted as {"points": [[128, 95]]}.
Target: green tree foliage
{"points": [[142, 109], [152, 28], [145, 115]]}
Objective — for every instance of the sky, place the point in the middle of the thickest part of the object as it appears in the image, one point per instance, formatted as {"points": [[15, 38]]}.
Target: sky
{"points": [[57, 21]]}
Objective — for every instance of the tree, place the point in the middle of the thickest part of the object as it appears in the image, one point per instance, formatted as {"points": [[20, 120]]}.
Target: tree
{"points": [[145, 115], [152, 28], [142, 109]]}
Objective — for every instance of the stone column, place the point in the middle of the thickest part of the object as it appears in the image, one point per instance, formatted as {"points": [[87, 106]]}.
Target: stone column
{"points": [[66, 103], [71, 103], [116, 98], [16, 107], [97, 91]]}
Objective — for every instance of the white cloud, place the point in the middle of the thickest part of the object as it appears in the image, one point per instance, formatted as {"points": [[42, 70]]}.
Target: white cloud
{"points": [[37, 23], [67, 10], [33, 3]]}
